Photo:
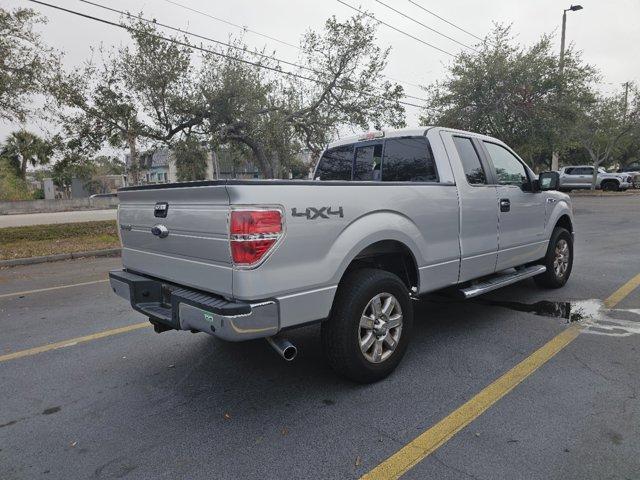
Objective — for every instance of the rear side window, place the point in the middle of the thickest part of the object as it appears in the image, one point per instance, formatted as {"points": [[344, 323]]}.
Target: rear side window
{"points": [[470, 161], [335, 164], [368, 161], [408, 160]]}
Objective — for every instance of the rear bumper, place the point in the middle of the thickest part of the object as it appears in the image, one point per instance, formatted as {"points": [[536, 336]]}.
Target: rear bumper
{"points": [[184, 309]]}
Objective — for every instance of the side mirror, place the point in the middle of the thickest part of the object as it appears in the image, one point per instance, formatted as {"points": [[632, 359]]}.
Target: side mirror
{"points": [[549, 181]]}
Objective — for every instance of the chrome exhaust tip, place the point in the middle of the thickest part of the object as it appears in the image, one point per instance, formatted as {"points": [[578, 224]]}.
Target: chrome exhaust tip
{"points": [[284, 347]]}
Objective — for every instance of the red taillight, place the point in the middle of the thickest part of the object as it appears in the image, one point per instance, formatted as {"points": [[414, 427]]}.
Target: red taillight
{"points": [[253, 233]]}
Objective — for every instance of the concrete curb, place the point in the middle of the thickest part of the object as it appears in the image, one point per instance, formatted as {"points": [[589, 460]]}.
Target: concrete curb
{"points": [[109, 252], [599, 193]]}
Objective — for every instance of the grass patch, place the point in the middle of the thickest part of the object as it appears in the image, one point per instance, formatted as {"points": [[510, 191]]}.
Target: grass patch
{"points": [[38, 240]]}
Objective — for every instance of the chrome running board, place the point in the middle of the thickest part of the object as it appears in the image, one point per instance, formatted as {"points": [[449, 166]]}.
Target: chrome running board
{"points": [[501, 280]]}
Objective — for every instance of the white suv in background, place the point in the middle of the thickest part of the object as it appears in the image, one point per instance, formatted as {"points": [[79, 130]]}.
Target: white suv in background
{"points": [[580, 177]]}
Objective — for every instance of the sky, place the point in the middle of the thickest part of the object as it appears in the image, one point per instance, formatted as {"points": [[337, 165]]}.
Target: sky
{"points": [[607, 32]]}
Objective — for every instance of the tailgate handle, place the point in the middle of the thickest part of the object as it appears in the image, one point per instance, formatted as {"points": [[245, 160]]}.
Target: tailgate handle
{"points": [[160, 231]]}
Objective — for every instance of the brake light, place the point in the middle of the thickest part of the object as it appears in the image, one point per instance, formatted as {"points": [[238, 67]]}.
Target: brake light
{"points": [[253, 233]]}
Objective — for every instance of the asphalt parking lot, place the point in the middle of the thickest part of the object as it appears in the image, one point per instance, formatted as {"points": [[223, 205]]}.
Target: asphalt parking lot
{"points": [[130, 403]]}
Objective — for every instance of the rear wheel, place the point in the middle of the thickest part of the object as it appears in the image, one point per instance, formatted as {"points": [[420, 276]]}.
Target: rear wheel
{"points": [[610, 186], [368, 331], [558, 260]]}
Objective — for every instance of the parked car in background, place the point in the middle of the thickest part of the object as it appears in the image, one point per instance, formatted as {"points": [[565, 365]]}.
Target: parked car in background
{"points": [[580, 177], [634, 171]]}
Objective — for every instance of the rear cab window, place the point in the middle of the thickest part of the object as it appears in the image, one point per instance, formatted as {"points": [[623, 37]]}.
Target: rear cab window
{"points": [[335, 164], [368, 162], [403, 159]]}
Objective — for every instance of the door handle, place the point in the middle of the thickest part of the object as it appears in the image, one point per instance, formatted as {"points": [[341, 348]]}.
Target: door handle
{"points": [[505, 205]]}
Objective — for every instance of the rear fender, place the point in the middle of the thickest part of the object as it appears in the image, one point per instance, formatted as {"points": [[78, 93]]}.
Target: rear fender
{"points": [[372, 228]]}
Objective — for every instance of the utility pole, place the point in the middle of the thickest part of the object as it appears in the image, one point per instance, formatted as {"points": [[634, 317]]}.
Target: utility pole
{"points": [[626, 95], [555, 157]]}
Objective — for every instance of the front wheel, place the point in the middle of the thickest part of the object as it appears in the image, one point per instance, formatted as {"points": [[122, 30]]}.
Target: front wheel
{"points": [[558, 260], [368, 331]]}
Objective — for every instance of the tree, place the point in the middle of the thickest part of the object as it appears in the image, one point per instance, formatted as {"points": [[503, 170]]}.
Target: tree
{"points": [[70, 166], [191, 160], [627, 150], [12, 187], [133, 96], [26, 148], [25, 65], [512, 92], [153, 93], [603, 125], [105, 165], [95, 107], [275, 116]]}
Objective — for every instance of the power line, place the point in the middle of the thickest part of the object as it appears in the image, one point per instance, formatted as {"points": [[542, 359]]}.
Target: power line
{"points": [[200, 48], [246, 29], [173, 40], [202, 37], [280, 41], [445, 20], [425, 26], [396, 29]]}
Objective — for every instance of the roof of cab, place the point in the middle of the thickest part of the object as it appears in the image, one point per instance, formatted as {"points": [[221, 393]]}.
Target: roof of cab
{"points": [[403, 132], [388, 133]]}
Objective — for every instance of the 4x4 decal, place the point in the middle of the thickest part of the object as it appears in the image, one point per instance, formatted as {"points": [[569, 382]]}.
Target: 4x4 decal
{"points": [[311, 213]]}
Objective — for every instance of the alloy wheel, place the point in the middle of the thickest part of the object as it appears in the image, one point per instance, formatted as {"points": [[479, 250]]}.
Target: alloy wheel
{"points": [[380, 327]]}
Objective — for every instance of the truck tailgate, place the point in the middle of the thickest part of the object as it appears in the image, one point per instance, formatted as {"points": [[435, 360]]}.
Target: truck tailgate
{"points": [[195, 252]]}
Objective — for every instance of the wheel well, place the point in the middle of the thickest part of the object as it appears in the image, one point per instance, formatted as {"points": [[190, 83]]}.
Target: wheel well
{"points": [[565, 222], [390, 255]]}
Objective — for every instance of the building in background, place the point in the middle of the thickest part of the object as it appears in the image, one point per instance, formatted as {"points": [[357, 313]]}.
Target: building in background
{"points": [[159, 166]]}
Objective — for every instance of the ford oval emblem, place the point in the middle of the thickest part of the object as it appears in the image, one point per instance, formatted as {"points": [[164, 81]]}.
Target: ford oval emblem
{"points": [[160, 231]]}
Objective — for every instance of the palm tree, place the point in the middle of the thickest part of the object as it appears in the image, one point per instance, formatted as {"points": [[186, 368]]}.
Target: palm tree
{"points": [[24, 148]]}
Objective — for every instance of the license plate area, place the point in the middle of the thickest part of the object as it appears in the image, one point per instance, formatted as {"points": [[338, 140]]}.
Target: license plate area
{"points": [[165, 298]]}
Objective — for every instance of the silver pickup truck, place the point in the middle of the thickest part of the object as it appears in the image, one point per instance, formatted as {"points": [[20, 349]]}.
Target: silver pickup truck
{"points": [[389, 216], [580, 177]]}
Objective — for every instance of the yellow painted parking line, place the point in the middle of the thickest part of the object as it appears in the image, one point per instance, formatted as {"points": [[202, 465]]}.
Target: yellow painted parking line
{"points": [[73, 341], [48, 289], [436, 436], [620, 294]]}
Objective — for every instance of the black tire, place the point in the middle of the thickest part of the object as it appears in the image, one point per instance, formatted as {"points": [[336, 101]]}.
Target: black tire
{"points": [[550, 278], [341, 333], [610, 186]]}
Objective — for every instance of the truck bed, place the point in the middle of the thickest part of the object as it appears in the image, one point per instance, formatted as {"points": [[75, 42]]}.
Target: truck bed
{"points": [[326, 225]]}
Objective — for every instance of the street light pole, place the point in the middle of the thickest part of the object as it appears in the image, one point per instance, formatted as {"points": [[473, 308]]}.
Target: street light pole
{"points": [[555, 156], [564, 33]]}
